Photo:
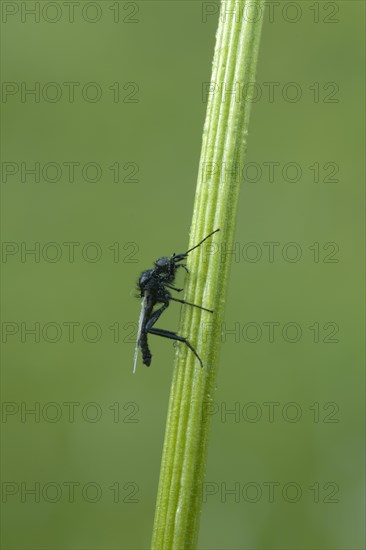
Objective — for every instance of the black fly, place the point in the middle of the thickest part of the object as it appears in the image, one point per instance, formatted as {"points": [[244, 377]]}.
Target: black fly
{"points": [[153, 285]]}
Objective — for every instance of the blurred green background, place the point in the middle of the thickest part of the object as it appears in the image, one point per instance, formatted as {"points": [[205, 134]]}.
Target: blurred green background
{"points": [[91, 450]]}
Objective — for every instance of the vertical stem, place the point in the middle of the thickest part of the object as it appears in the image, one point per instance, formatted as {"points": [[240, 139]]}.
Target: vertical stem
{"points": [[178, 507]]}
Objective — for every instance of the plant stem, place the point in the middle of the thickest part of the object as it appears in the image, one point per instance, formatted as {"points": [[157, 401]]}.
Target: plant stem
{"points": [[225, 132]]}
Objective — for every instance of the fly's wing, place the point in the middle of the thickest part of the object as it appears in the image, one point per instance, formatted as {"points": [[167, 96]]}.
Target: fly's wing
{"points": [[141, 322]]}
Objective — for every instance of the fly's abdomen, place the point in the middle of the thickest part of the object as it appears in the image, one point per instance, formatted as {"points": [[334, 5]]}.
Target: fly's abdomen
{"points": [[146, 355]]}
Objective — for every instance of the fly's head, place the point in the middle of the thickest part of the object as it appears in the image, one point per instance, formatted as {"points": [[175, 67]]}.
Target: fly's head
{"points": [[166, 268]]}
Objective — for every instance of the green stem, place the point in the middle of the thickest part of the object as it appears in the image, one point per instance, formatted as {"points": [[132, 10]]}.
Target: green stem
{"points": [[225, 132]]}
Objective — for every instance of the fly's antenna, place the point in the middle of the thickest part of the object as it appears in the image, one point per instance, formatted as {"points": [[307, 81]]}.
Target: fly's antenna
{"points": [[180, 256], [203, 240]]}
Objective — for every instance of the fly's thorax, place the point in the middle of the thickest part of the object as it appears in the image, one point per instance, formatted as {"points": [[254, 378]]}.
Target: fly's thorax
{"points": [[146, 279]]}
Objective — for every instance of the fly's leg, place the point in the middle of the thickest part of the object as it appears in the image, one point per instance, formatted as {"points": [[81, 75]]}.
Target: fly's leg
{"points": [[174, 336], [173, 287], [146, 354], [155, 316], [190, 304], [184, 267]]}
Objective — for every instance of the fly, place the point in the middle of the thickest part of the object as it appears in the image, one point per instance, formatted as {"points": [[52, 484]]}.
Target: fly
{"points": [[153, 285]]}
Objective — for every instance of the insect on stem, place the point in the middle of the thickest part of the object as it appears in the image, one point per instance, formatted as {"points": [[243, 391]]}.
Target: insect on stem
{"points": [[153, 285]]}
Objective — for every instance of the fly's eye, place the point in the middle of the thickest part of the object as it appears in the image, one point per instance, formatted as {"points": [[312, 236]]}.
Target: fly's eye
{"points": [[163, 262]]}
